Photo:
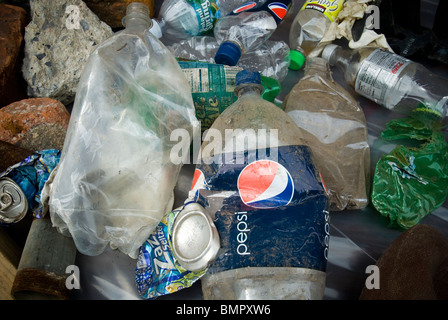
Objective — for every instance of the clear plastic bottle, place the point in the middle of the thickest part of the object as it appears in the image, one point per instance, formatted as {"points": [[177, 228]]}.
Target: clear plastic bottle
{"points": [[390, 80], [266, 243], [271, 59], [334, 127], [309, 26], [248, 30], [116, 178], [182, 19]]}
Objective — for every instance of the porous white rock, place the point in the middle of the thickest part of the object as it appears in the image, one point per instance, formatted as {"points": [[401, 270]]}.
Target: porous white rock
{"points": [[58, 42]]}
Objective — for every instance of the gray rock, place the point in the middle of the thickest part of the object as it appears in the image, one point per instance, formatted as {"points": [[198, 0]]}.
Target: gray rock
{"points": [[58, 42]]}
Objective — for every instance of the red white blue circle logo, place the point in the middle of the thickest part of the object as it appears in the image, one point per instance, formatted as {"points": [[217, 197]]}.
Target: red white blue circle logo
{"points": [[265, 184], [279, 9]]}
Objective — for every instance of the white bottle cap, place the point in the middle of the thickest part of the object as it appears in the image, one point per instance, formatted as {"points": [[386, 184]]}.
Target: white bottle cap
{"points": [[328, 51]]}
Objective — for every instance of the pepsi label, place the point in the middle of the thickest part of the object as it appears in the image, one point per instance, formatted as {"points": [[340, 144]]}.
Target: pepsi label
{"points": [[278, 9], [268, 213]]}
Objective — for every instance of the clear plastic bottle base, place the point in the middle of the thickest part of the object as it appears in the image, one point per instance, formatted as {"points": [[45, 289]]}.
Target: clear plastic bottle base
{"points": [[280, 283]]}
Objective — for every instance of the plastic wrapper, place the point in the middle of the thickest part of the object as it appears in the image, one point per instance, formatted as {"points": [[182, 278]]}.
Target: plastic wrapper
{"points": [[115, 179], [412, 180]]}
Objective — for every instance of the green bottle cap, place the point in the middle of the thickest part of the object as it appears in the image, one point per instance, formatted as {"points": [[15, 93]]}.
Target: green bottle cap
{"points": [[297, 60], [272, 88]]}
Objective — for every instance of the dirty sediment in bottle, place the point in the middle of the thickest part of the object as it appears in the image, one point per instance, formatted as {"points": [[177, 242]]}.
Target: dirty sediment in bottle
{"points": [[332, 124], [266, 264], [267, 121]]}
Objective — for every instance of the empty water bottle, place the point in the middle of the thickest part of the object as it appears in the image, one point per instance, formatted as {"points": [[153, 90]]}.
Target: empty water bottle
{"points": [[390, 80], [248, 30], [309, 27], [182, 19], [271, 59], [267, 200]]}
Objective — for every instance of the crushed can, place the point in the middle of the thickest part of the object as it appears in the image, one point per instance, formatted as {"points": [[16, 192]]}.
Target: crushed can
{"points": [[178, 252], [13, 202], [21, 185]]}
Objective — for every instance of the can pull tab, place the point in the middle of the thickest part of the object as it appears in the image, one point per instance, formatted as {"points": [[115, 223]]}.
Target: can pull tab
{"points": [[6, 200]]}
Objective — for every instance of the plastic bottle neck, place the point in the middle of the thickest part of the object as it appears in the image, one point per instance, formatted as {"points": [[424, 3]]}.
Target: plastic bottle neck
{"points": [[249, 88], [318, 66], [137, 16]]}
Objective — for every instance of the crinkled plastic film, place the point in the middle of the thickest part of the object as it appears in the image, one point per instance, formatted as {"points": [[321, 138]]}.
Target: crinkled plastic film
{"points": [[412, 180], [116, 178]]}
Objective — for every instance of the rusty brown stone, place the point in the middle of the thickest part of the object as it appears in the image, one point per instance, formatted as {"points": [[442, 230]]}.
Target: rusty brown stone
{"points": [[12, 27], [34, 124], [111, 12], [11, 154]]}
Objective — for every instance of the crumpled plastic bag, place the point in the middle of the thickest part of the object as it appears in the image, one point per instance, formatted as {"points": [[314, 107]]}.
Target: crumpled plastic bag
{"points": [[115, 179], [342, 28], [412, 181]]}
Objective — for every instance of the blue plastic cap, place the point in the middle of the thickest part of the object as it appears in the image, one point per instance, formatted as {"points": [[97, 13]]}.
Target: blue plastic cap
{"points": [[247, 76], [228, 53]]}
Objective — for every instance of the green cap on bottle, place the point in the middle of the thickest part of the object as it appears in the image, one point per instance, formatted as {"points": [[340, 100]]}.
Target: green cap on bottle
{"points": [[297, 60]]}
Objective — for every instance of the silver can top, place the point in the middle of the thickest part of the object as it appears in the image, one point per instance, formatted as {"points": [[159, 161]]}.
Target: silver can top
{"points": [[13, 202], [195, 239]]}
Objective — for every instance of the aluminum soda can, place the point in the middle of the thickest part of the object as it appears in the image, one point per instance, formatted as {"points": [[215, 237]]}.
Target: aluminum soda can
{"points": [[195, 239], [178, 252], [13, 202]]}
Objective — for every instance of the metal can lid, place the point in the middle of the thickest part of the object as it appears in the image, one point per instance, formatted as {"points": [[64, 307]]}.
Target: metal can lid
{"points": [[195, 239], [13, 202]]}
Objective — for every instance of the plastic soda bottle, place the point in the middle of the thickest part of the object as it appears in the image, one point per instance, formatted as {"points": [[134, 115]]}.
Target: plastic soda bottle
{"points": [[258, 181], [228, 6], [390, 80], [309, 27], [245, 31], [115, 179], [334, 127]]}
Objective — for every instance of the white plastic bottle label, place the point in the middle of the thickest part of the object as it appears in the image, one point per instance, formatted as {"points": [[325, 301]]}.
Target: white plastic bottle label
{"points": [[329, 8], [378, 73]]}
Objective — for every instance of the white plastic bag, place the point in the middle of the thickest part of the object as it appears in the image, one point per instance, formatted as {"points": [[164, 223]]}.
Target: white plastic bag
{"points": [[115, 179]]}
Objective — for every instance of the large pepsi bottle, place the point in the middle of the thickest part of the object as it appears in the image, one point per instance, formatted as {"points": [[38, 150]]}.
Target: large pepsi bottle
{"points": [[268, 202]]}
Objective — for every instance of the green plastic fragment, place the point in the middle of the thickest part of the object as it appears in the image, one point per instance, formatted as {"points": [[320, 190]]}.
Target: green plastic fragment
{"points": [[412, 180]]}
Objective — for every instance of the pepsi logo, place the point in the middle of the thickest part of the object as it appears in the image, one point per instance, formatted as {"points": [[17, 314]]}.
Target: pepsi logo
{"points": [[198, 181], [279, 9], [265, 184], [245, 7]]}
